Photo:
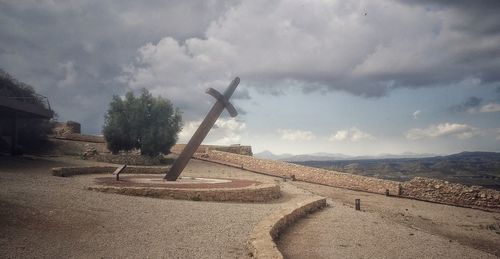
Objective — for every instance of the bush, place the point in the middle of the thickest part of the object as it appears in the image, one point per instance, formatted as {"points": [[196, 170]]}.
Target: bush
{"points": [[146, 123]]}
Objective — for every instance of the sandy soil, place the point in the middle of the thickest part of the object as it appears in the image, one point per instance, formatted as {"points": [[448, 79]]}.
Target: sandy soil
{"points": [[43, 216], [389, 227]]}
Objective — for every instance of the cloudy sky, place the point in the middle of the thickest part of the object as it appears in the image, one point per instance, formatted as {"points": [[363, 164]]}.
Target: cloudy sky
{"points": [[354, 77]]}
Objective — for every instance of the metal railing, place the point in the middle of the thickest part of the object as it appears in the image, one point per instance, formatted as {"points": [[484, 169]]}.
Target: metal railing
{"points": [[37, 99]]}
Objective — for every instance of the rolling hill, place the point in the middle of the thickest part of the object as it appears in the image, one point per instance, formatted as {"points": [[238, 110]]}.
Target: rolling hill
{"points": [[471, 168]]}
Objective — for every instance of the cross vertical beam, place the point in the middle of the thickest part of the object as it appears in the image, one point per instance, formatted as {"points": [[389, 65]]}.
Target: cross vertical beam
{"points": [[207, 124]]}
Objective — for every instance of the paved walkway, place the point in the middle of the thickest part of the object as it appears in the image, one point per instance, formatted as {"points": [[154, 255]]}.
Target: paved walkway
{"points": [[390, 227]]}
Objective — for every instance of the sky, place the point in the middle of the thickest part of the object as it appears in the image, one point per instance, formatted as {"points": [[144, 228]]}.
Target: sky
{"points": [[360, 77]]}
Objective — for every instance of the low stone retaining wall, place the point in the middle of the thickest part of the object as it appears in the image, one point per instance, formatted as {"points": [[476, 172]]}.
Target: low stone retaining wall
{"points": [[303, 173], [80, 137], [75, 148], [70, 171], [261, 242], [262, 192], [258, 193], [235, 149], [419, 188], [130, 159], [451, 193]]}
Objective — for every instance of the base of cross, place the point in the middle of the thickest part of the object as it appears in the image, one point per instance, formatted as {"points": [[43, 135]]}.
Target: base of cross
{"points": [[189, 188]]}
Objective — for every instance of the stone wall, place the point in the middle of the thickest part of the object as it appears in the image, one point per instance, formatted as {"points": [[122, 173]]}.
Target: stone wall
{"points": [[261, 242], [74, 148], [71, 130], [130, 159], [236, 149], [66, 143], [419, 188], [303, 173], [255, 193], [451, 193], [70, 171], [81, 137], [69, 127]]}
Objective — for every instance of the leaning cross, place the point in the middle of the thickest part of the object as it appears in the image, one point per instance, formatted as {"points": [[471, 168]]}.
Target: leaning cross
{"points": [[200, 134]]}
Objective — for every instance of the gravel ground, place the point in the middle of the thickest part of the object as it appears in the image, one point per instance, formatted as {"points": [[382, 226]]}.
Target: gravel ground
{"points": [[389, 227], [42, 216]]}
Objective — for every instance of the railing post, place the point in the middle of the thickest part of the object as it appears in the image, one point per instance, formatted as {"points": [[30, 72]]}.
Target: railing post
{"points": [[13, 150]]}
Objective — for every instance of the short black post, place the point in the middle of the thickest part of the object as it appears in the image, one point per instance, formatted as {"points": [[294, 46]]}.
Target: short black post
{"points": [[357, 203], [118, 171]]}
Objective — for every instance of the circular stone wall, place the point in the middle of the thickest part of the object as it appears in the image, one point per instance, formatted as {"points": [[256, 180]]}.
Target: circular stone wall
{"points": [[148, 181], [188, 188]]}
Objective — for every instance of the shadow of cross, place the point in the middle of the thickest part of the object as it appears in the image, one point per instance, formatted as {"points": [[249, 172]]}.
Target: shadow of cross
{"points": [[202, 131]]}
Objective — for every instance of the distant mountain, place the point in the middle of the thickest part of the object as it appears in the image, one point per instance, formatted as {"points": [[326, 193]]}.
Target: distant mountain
{"points": [[315, 157], [270, 156], [479, 168], [322, 156], [402, 155]]}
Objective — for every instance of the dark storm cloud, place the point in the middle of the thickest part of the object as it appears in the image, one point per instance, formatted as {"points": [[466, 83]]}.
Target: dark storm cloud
{"points": [[74, 51], [332, 46], [470, 104], [80, 53], [478, 18]]}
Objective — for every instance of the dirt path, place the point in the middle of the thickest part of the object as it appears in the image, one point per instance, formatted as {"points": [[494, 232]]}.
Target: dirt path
{"points": [[391, 228], [42, 216]]}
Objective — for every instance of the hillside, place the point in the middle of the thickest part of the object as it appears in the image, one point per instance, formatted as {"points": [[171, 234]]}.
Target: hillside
{"points": [[471, 168]]}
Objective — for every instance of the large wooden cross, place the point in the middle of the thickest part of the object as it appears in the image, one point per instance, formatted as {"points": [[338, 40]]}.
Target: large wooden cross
{"points": [[200, 134]]}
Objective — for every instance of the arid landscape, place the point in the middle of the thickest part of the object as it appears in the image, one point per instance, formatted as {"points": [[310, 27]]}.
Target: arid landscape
{"points": [[469, 168]]}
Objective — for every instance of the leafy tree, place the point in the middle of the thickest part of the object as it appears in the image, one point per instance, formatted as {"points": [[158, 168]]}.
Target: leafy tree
{"points": [[145, 122]]}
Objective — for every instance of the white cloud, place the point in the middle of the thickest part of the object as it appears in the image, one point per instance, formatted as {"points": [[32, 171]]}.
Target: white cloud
{"points": [[462, 131], [188, 130], [415, 114], [352, 134], [295, 135], [490, 107], [224, 132]]}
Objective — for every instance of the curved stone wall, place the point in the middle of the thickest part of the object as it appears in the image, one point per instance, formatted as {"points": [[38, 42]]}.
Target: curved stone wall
{"points": [[257, 193], [70, 171], [261, 242]]}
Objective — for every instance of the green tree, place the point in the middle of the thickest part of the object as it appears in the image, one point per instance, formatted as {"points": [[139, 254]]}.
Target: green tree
{"points": [[145, 122]]}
